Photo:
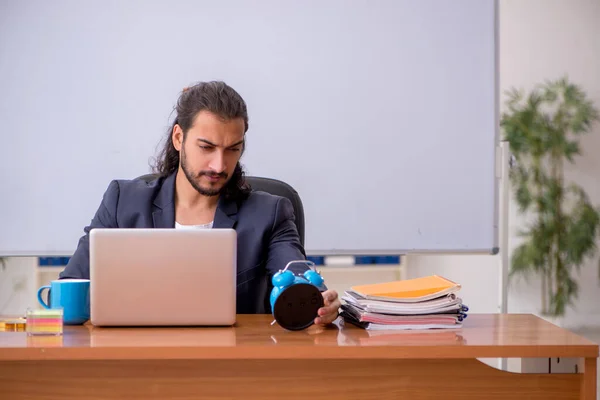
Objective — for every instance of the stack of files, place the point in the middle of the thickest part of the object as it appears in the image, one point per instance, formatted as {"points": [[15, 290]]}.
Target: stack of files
{"points": [[423, 303]]}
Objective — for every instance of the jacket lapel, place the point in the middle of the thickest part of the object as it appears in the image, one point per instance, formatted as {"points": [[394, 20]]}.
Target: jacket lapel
{"points": [[163, 215], [226, 214]]}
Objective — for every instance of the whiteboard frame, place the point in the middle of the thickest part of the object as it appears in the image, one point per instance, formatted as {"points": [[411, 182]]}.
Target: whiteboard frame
{"points": [[497, 182]]}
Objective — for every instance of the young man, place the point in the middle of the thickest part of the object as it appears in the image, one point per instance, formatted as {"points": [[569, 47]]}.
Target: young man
{"points": [[201, 185]]}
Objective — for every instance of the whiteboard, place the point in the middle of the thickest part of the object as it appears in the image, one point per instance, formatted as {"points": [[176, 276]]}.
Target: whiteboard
{"points": [[382, 114]]}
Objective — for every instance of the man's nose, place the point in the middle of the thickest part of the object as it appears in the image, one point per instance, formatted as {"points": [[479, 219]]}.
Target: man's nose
{"points": [[217, 163]]}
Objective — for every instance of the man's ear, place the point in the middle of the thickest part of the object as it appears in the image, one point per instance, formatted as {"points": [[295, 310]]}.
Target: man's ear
{"points": [[177, 137]]}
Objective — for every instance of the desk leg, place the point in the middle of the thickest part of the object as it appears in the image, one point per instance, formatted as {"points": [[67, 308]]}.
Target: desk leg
{"points": [[586, 367], [589, 381]]}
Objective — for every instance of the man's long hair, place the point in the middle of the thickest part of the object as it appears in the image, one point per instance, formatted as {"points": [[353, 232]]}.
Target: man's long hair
{"points": [[219, 99]]}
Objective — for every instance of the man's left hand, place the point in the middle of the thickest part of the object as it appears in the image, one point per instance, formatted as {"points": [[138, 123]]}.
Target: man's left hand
{"points": [[329, 312]]}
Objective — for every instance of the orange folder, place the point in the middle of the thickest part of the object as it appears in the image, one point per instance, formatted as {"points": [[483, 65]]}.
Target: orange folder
{"points": [[409, 290]]}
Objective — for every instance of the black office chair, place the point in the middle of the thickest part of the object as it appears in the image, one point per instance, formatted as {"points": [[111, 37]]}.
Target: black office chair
{"points": [[280, 188], [272, 186]]}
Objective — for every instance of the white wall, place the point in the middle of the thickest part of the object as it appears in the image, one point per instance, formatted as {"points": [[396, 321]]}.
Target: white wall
{"points": [[539, 40], [18, 282], [544, 39]]}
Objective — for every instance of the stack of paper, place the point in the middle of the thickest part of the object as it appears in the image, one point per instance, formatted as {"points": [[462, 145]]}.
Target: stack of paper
{"points": [[424, 303]]}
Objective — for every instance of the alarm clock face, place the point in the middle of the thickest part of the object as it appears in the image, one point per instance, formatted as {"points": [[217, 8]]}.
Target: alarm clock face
{"points": [[296, 306]]}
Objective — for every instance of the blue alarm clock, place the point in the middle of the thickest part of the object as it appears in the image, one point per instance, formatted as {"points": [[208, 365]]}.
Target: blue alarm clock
{"points": [[296, 299]]}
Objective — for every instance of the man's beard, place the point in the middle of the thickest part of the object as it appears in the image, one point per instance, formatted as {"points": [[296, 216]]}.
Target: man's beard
{"points": [[190, 177]]}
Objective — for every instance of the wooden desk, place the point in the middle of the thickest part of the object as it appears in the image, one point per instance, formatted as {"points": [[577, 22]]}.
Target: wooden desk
{"points": [[255, 360]]}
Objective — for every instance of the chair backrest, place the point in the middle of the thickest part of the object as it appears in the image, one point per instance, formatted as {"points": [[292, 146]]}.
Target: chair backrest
{"points": [[280, 188], [275, 187]]}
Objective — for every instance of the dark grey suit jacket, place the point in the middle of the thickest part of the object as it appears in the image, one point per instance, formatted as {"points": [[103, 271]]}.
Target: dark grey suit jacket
{"points": [[267, 238]]}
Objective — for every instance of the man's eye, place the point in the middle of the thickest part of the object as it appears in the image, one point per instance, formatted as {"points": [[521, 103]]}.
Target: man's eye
{"points": [[235, 149], [206, 147]]}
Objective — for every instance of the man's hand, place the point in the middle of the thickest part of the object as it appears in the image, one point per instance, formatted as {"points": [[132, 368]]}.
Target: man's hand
{"points": [[329, 312]]}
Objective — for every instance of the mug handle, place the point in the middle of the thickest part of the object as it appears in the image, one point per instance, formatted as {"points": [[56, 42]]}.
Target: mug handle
{"points": [[39, 296]]}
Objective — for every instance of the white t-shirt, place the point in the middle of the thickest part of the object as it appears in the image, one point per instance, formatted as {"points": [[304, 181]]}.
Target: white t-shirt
{"points": [[202, 226]]}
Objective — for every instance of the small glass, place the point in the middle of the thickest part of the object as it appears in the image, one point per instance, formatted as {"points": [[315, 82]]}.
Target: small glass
{"points": [[14, 325], [44, 321]]}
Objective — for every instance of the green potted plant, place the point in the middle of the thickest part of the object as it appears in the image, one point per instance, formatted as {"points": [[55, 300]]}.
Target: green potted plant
{"points": [[543, 128]]}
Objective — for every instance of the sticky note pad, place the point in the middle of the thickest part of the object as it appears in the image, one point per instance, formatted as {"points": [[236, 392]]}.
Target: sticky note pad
{"points": [[45, 322]]}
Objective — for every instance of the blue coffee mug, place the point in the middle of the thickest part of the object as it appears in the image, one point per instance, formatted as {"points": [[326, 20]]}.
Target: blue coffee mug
{"points": [[72, 295]]}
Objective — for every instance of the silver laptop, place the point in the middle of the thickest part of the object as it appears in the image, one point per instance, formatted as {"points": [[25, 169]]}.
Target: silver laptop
{"points": [[163, 277]]}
